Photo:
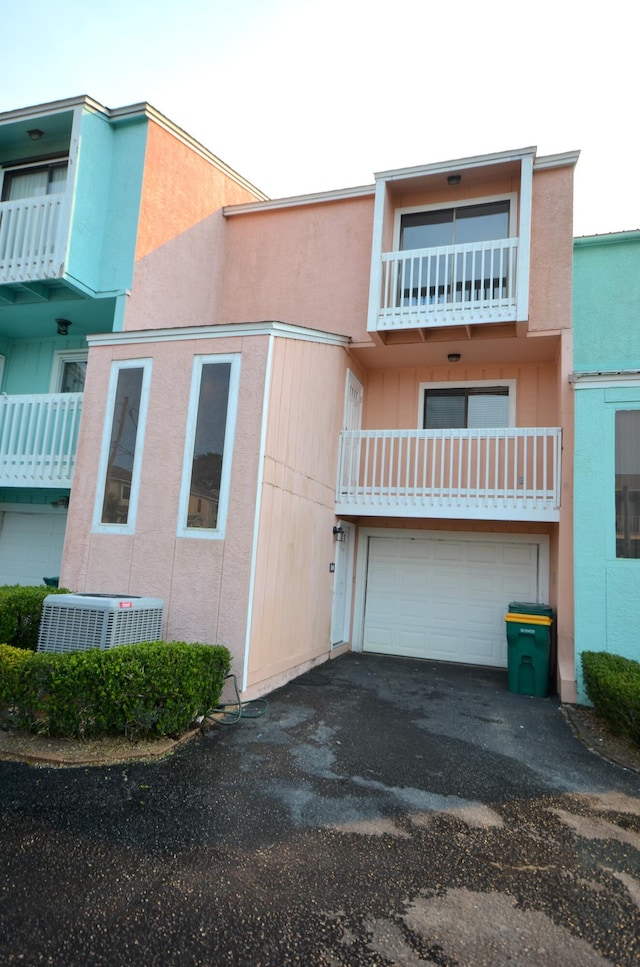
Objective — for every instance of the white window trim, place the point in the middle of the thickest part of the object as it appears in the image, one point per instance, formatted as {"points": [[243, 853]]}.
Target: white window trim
{"points": [[511, 197], [60, 357], [201, 533], [129, 528], [466, 384], [40, 163]]}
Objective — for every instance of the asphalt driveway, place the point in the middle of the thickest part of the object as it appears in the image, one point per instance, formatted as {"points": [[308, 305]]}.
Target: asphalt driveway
{"points": [[382, 811]]}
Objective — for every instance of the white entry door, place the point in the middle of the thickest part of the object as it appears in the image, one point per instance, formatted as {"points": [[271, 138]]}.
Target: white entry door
{"points": [[445, 598], [342, 586]]}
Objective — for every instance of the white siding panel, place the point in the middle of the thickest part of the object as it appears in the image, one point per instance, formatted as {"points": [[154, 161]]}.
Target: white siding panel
{"points": [[445, 599]]}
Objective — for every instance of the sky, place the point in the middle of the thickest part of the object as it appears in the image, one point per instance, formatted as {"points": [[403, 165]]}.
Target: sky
{"points": [[301, 96]]}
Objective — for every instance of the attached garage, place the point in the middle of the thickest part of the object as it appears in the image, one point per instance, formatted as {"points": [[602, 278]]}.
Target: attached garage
{"points": [[443, 596], [30, 546]]}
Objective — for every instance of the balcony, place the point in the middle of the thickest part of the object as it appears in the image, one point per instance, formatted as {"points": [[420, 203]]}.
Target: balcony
{"points": [[38, 439], [495, 474], [454, 285], [29, 244]]}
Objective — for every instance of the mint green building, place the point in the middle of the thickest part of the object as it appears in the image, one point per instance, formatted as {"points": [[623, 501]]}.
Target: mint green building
{"points": [[606, 378]]}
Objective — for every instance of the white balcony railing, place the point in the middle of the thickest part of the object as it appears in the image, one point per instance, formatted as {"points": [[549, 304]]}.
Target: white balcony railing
{"points": [[451, 285], [29, 238], [38, 439], [495, 474]]}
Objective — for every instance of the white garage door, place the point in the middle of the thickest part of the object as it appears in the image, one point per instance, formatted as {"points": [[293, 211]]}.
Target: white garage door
{"points": [[446, 598], [30, 546]]}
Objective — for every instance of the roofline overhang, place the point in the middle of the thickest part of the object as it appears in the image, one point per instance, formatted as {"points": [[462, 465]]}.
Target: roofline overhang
{"points": [[128, 113], [224, 331]]}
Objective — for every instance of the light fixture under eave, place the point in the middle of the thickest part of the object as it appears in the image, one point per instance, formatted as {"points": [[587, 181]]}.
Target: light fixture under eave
{"points": [[339, 534], [454, 357], [35, 134], [454, 179], [62, 327]]}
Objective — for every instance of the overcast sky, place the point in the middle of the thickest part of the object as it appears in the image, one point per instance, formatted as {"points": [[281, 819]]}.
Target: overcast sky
{"points": [[310, 95]]}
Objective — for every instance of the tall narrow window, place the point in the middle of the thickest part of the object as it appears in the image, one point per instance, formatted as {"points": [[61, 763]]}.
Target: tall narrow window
{"points": [[122, 447], [208, 457], [628, 483]]}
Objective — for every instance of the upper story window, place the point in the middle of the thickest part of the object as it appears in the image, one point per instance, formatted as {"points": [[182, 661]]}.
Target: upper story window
{"points": [[121, 458], [468, 406], [69, 371], [210, 430], [454, 226], [33, 181], [627, 485]]}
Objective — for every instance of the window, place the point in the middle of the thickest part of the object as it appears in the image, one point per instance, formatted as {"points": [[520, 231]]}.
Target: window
{"points": [[454, 226], [122, 447], [34, 181], [69, 372], [478, 273], [210, 427], [627, 485], [467, 406]]}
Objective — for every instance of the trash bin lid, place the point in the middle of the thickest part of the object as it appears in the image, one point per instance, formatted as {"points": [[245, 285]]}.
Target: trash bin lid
{"points": [[529, 619], [529, 607]]}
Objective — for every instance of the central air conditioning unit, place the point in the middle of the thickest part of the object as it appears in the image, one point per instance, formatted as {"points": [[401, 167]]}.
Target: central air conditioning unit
{"points": [[78, 622]]}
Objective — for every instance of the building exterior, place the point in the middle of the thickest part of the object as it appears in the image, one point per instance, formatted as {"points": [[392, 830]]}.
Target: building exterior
{"points": [[335, 421], [606, 379], [88, 197]]}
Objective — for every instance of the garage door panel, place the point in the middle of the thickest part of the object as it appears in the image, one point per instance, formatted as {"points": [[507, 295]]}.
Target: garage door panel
{"points": [[445, 599], [30, 546]]}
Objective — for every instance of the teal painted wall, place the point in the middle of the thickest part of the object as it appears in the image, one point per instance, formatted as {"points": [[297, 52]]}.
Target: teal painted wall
{"points": [[29, 363], [106, 203], [606, 302]]}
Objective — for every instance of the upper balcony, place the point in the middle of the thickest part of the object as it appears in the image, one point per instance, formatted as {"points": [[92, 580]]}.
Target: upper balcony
{"points": [[68, 217], [452, 285], [451, 245]]}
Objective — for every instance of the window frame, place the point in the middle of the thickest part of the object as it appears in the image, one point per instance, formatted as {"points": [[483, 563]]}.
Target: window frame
{"points": [[620, 406], [199, 362], [98, 525], [451, 384], [60, 357], [445, 204], [42, 164]]}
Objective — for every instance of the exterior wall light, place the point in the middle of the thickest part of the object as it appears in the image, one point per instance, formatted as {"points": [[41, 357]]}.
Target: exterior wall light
{"points": [[454, 179], [62, 327], [35, 134], [454, 357], [339, 534]]}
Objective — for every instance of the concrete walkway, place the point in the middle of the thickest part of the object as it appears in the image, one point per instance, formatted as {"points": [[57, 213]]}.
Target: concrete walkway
{"points": [[382, 811]]}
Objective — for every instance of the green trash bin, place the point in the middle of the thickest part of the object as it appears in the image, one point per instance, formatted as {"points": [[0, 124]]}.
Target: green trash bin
{"points": [[528, 648]]}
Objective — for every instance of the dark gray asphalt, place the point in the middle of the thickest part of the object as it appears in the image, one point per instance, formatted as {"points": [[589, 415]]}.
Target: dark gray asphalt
{"points": [[383, 811]]}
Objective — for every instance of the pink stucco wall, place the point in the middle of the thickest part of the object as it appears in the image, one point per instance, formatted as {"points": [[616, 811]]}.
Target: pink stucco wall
{"points": [[181, 235], [204, 583], [306, 265]]}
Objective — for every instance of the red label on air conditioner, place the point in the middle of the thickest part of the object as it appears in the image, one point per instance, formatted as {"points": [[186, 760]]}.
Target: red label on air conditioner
{"points": [[125, 604]]}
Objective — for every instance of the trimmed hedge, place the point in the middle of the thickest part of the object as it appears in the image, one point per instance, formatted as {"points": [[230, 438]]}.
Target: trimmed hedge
{"points": [[21, 612], [613, 685], [153, 688]]}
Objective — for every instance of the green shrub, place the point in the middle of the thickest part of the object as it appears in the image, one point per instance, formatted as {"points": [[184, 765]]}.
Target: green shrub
{"points": [[20, 613], [150, 688], [11, 660], [613, 685]]}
